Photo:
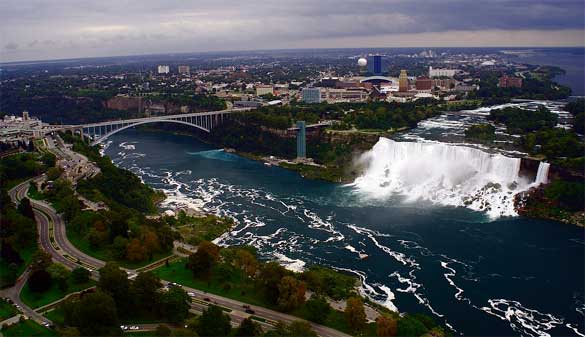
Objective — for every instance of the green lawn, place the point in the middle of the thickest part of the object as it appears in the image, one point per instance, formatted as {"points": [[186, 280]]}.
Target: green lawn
{"points": [[35, 194], [241, 289], [27, 328], [104, 253], [7, 310], [35, 300], [57, 316], [5, 269]]}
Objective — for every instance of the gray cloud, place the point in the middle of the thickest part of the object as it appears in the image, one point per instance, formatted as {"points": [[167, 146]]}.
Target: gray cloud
{"points": [[108, 27]]}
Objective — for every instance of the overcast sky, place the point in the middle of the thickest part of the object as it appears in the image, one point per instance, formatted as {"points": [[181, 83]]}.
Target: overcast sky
{"points": [[53, 29]]}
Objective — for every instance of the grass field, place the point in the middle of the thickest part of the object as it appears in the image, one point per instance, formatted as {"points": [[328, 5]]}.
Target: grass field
{"points": [[28, 328], [104, 254], [240, 288], [7, 310], [35, 300]]}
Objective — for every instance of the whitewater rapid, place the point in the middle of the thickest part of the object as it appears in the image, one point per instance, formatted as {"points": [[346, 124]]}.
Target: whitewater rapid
{"points": [[445, 174]]}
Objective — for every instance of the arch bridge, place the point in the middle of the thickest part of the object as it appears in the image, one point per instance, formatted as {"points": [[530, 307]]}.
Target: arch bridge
{"points": [[204, 121]]}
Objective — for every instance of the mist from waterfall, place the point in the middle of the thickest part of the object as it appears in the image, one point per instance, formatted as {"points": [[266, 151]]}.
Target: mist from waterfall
{"points": [[445, 174]]}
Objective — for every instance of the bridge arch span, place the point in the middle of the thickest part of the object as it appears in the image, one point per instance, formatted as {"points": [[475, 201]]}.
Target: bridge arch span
{"points": [[107, 135]]}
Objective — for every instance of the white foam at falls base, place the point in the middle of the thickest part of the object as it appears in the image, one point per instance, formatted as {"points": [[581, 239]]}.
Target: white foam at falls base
{"points": [[443, 174]]}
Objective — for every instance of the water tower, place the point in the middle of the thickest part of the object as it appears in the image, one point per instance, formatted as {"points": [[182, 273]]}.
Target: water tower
{"points": [[362, 64]]}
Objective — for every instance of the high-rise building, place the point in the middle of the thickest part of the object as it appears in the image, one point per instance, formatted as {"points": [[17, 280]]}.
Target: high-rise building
{"points": [[184, 70], [163, 69], [301, 140], [403, 81], [375, 64], [311, 95]]}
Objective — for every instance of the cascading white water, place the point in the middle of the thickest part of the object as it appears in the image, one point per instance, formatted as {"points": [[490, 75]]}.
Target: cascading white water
{"points": [[443, 174], [542, 174]]}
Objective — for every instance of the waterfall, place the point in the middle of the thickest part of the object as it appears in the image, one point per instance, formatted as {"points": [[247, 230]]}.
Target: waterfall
{"points": [[542, 174], [443, 174]]}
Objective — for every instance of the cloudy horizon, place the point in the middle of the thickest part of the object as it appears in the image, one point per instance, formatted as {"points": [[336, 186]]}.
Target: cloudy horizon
{"points": [[60, 29]]}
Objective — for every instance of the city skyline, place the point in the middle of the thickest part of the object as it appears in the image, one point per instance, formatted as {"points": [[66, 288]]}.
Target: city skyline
{"points": [[43, 30]]}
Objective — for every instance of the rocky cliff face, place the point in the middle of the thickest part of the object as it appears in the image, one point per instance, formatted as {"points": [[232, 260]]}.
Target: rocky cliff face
{"points": [[535, 204]]}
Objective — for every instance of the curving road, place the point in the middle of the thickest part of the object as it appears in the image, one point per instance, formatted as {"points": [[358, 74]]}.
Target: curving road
{"points": [[62, 249]]}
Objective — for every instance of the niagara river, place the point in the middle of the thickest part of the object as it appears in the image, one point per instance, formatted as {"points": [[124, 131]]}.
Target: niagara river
{"points": [[418, 228]]}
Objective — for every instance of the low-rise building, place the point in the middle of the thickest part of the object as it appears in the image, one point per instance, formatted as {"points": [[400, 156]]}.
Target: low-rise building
{"points": [[424, 84], [263, 89], [331, 95], [162, 69], [445, 84], [510, 82], [311, 95], [441, 72], [184, 70]]}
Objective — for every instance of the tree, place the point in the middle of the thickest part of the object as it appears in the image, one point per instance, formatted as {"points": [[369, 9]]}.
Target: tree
{"points": [[96, 238], [40, 260], [270, 275], [291, 293], [80, 275], [301, 328], [8, 254], [136, 251], [246, 261], [248, 328], [25, 208], [95, 314], [386, 326], [213, 322], [317, 309], [39, 281], [53, 173], [151, 243], [162, 330], [60, 274], [410, 326], [119, 247], [114, 281], [355, 314], [174, 304], [203, 260], [145, 289]]}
